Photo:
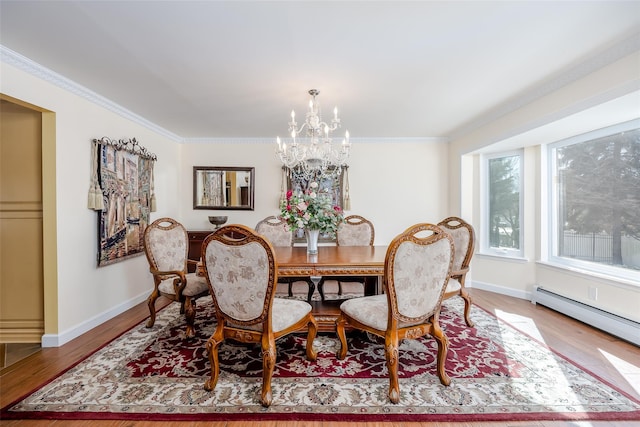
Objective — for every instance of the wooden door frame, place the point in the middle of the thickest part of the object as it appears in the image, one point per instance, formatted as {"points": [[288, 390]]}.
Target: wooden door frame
{"points": [[49, 222]]}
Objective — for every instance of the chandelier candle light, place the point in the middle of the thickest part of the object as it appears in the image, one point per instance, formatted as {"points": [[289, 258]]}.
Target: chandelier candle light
{"points": [[313, 155]]}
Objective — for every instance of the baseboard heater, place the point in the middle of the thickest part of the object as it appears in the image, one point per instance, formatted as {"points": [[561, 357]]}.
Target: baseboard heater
{"points": [[623, 328]]}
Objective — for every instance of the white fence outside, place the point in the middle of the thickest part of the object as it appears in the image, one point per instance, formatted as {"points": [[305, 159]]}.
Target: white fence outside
{"points": [[598, 247]]}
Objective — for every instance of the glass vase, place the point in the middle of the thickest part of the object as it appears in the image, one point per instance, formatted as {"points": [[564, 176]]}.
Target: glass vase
{"points": [[312, 240]]}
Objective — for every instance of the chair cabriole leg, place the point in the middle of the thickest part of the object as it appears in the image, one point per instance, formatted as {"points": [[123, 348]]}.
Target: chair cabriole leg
{"points": [[342, 352], [311, 336], [391, 354], [151, 302], [443, 347], [467, 307], [190, 316], [268, 364], [212, 350]]}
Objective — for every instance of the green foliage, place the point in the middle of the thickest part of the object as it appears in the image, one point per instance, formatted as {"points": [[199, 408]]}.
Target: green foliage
{"points": [[311, 209], [504, 202], [600, 187]]}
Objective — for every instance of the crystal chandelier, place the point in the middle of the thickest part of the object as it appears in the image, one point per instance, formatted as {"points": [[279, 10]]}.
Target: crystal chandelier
{"points": [[312, 154]]}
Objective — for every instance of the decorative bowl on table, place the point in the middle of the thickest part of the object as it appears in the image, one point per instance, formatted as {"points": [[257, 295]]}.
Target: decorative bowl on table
{"points": [[218, 220]]}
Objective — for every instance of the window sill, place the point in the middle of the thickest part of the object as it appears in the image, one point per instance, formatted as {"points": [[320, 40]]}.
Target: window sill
{"points": [[590, 274], [510, 258]]}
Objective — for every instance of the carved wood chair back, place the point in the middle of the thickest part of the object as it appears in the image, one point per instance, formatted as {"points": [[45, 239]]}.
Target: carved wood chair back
{"points": [[355, 231], [241, 272], [464, 239], [166, 245], [417, 267], [274, 229]]}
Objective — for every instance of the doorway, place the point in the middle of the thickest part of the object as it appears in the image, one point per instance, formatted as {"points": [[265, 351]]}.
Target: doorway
{"points": [[21, 231]]}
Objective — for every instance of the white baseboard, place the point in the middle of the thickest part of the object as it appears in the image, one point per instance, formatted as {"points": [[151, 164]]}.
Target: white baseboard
{"points": [[618, 326], [615, 325], [516, 293], [56, 340]]}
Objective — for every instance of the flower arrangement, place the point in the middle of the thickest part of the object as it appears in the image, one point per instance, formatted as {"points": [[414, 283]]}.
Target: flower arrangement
{"points": [[311, 209]]}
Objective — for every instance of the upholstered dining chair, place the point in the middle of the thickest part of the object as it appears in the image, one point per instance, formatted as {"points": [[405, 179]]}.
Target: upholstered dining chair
{"points": [[166, 245], [275, 230], [417, 267], [354, 231], [241, 273], [464, 239]]}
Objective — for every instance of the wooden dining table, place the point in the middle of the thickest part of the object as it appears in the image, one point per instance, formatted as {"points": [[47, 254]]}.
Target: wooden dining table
{"points": [[360, 261]]}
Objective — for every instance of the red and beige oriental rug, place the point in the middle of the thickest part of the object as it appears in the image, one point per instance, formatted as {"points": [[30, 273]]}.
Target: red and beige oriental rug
{"points": [[498, 373]]}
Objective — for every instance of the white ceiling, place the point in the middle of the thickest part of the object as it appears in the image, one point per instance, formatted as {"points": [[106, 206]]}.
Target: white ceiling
{"points": [[235, 69]]}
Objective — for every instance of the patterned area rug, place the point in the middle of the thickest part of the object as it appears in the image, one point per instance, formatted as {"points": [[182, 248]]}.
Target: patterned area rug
{"points": [[497, 373]]}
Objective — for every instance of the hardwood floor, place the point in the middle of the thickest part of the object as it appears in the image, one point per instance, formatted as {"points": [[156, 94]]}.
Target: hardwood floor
{"points": [[608, 357], [12, 352]]}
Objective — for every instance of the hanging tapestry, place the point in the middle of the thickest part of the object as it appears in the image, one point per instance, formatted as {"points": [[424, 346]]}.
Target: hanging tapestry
{"points": [[125, 184]]}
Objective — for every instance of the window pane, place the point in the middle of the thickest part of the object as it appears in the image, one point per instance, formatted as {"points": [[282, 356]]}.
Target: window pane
{"points": [[598, 206], [504, 202]]}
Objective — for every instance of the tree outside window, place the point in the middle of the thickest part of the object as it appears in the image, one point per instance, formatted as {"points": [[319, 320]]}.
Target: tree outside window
{"points": [[504, 183], [598, 200]]}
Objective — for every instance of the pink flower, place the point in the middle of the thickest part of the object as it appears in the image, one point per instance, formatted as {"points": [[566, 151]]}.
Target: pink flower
{"points": [[311, 208]]}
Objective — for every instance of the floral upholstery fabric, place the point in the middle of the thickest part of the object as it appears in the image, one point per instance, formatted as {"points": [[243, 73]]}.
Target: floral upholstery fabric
{"points": [[461, 239], [275, 233], [354, 234], [239, 276], [168, 248], [371, 311], [418, 277], [284, 313], [419, 274], [195, 285]]}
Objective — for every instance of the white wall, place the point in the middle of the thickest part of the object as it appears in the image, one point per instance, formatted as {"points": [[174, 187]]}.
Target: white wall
{"points": [[87, 295], [597, 100], [394, 184]]}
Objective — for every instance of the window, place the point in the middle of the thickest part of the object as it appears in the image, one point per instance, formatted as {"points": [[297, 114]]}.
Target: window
{"points": [[595, 200], [503, 204]]}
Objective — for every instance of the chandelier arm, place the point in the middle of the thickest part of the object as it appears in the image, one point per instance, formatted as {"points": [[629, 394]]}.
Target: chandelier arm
{"points": [[316, 156]]}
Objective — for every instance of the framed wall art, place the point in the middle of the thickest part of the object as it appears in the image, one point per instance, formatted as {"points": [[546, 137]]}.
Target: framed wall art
{"points": [[122, 192]]}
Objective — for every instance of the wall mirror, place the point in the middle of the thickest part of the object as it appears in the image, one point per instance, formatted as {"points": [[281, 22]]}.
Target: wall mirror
{"points": [[227, 187]]}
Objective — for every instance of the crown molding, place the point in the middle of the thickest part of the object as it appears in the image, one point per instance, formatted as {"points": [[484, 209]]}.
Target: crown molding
{"points": [[356, 140], [605, 57], [23, 63], [563, 78]]}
